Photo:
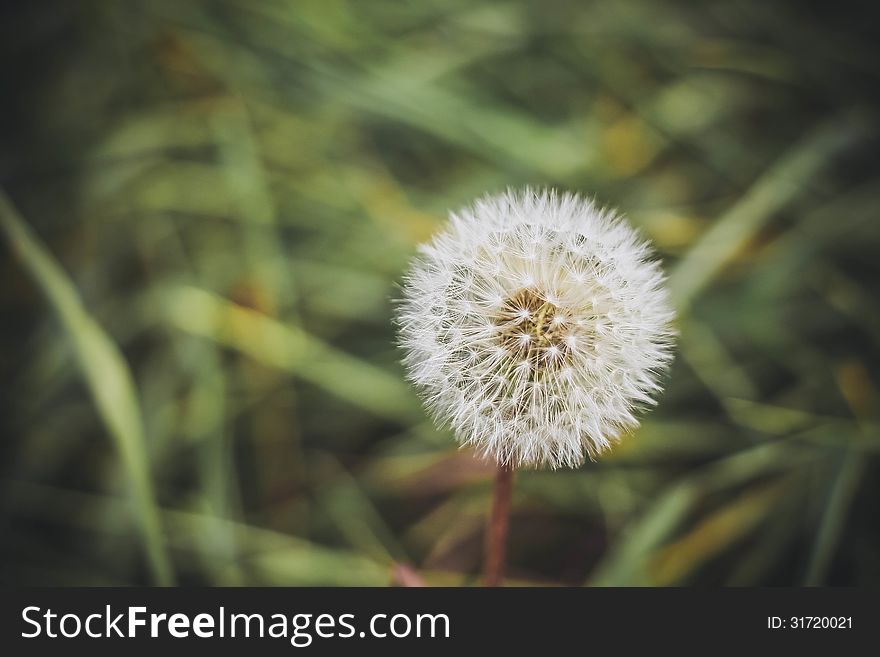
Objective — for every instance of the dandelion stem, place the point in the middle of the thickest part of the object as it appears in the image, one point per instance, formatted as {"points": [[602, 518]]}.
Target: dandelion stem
{"points": [[496, 536]]}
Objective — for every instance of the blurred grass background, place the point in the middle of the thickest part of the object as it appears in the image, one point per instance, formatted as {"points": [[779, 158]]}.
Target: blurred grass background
{"points": [[207, 206]]}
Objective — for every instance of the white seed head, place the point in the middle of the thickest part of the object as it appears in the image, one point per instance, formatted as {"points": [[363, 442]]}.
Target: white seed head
{"points": [[534, 326]]}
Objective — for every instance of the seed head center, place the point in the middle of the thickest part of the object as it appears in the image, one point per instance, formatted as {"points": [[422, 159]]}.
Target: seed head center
{"points": [[532, 328]]}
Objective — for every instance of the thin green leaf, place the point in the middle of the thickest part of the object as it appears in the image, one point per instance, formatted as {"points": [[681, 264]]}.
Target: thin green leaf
{"points": [[106, 374]]}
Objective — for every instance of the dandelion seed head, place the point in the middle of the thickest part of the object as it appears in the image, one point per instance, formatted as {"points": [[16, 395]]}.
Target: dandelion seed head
{"points": [[564, 318]]}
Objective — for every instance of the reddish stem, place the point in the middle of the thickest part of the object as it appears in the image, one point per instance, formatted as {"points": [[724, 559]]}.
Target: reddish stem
{"points": [[496, 536]]}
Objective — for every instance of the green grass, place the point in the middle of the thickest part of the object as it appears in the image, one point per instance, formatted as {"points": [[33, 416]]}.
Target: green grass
{"points": [[208, 206]]}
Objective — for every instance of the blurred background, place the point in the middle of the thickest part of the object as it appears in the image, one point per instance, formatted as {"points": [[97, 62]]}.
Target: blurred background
{"points": [[207, 208]]}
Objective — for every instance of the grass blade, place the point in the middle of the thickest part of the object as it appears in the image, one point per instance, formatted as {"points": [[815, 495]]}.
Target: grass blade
{"points": [[843, 487], [783, 182], [106, 374], [291, 349]]}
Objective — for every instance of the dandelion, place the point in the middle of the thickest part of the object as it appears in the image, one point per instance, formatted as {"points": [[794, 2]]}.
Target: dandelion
{"points": [[535, 326]]}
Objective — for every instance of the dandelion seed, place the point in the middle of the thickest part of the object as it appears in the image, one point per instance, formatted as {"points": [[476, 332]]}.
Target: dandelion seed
{"points": [[563, 314]]}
